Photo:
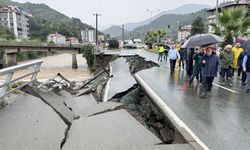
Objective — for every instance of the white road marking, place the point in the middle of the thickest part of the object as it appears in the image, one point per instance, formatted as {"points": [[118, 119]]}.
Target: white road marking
{"points": [[169, 111], [225, 88], [105, 97]]}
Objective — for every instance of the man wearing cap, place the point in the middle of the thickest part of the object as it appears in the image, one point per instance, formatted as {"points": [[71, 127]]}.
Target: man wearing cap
{"points": [[226, 60], [210, 62]]}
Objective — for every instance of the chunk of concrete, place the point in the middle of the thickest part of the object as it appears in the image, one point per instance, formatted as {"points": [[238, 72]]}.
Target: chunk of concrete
{"points": [[78, 103], [122, 79], [30, 124], [58, 103], [101, 108], [109, 131]]}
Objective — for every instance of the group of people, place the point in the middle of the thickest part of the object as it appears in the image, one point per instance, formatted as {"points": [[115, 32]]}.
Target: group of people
{"points": [[204, 63]]}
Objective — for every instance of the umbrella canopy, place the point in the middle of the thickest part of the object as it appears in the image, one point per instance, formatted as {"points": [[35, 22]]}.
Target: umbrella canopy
{"points": [[202, 39], [246, 46]]}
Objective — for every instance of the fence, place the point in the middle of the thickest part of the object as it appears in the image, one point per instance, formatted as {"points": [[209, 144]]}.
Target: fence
{"points": [[9, 73]]}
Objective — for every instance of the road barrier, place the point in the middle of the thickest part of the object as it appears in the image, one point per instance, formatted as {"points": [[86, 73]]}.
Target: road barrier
{"points": [[9, 73]]}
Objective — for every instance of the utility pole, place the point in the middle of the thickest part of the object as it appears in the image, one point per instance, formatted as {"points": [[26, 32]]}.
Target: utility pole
{"points": [[123, 33], [96, 28], [217, 12]]}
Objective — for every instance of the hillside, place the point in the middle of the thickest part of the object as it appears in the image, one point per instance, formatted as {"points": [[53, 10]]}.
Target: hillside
{"points": [[56, 21], [185, 9], [114, 31], [174, 20]]}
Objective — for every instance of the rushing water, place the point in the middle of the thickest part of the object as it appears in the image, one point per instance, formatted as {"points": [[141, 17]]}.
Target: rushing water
{"points": [[61, 63]]}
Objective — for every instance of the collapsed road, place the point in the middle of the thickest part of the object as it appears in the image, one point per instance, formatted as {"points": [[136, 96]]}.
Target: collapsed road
{"points": [[113, 111]]}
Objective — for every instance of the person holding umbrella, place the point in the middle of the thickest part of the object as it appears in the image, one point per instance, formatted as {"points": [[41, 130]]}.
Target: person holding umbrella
{"points": [[246, 68], [226, 61], [210, 62]]}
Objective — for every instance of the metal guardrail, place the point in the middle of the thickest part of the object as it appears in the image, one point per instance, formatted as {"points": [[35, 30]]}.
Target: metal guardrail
{"points": [[10, 71]]}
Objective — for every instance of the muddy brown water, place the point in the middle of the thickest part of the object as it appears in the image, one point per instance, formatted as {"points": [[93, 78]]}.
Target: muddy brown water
{"points": [[61, 63]]}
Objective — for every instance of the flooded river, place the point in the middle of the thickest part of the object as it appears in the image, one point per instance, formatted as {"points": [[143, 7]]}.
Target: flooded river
{"points": [[61, 63]]}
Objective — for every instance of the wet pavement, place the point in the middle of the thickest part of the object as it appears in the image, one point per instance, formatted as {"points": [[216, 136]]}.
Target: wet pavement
{"points": [[220, 122], [122, 79]]}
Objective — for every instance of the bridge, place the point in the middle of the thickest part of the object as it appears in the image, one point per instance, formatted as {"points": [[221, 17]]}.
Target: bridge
{"points": [[11, 49]]}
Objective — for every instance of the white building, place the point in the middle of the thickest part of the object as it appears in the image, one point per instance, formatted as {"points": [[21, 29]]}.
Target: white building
{"points": [[224, 5], [72, 41], [88, 35], [16, 20], [56, 39], [184, 33]]}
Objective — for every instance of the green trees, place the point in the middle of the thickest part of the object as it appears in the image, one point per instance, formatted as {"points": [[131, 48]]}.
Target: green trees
{"points": [[6, 33], [87, 51], [232, 22], [155, 36], [197, 26]]}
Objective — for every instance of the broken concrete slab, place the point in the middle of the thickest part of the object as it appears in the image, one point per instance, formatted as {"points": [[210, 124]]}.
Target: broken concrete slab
{"points": [[58, 103], [101, 108], [28, 123], [122, 79], [153, 147], [78, 103], [108, 130]]}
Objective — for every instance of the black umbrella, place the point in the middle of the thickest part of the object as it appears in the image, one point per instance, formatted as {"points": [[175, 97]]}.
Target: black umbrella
{"points": [[246, 46], [201, 40]]}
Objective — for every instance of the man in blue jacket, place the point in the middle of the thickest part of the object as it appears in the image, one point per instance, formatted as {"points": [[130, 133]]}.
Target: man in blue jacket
{"points": [[210, 62]]}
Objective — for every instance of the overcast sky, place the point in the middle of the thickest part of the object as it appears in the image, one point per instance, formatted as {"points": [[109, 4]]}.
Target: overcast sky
{"points": [[114, 11]]}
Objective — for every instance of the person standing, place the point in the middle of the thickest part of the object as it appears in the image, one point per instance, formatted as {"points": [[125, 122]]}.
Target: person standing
{"points": [[197, 57], [161, 53], [209, 70], [237, 50], [173, 55], [181, 62], [189, 61], [240, 62], [226, 60], [246, 69]]}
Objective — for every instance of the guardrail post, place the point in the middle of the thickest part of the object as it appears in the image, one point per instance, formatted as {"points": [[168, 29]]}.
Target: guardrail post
{"points": [[36, 69], [5, 87]]}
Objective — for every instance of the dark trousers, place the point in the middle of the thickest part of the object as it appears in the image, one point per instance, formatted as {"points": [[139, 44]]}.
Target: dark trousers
{"points": [[240, 71], [226, 73], [160, 56], [172, 65], [207, 83], [181, 63], [197, 74], [244, 77]]}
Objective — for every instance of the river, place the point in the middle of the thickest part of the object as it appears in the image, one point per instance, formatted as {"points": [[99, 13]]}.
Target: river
{"points": [[61, 63]]}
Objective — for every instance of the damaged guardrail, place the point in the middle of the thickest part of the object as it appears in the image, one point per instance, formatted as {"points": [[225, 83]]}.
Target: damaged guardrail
{"points": [[9, 73]]}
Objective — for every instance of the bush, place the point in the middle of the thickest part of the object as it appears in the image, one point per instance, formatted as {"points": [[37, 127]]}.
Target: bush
{"points": [[87, 51]]}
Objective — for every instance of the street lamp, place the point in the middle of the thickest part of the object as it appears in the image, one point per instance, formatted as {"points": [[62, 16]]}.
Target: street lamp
{"points": [[217, 12], [151, 12]]}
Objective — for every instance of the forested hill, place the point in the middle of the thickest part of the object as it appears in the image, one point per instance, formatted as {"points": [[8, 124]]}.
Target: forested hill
{"points": [[46, 20]]}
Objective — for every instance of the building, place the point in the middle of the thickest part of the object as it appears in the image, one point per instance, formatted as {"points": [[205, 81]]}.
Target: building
{"points": [[72, 41], [16, 20], [88, 35], [56, 39], [184, 33], [224, 5]]}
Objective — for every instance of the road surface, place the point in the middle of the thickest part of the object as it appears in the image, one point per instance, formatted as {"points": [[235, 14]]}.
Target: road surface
{"points": [[220, 122]]}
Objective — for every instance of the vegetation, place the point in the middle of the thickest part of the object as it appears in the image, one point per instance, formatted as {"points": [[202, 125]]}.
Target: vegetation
{"points": [[87, 51], [155, 36], [3, 104], [197, 26], [232, 22], [6, 34], [169, 23], [46, 20]]}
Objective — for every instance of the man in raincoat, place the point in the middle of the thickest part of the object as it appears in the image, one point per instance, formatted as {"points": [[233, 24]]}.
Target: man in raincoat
{"points": [[226, 60], [237, 50], [161, 52]]}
